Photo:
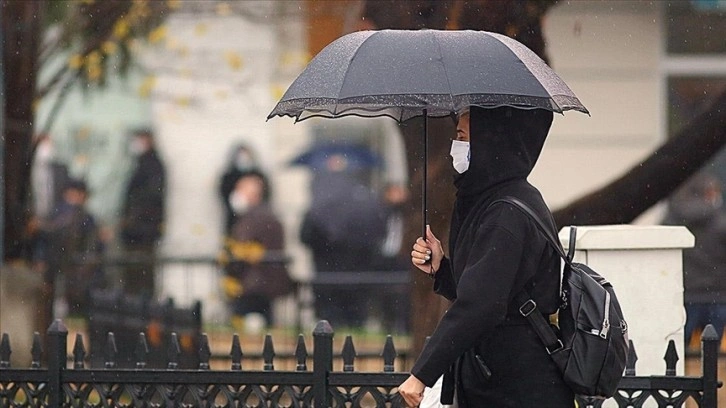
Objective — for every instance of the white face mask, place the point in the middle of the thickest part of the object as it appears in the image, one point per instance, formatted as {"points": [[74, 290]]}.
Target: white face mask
{"points": [[461, 154], [137, 147], [44, 152], [239, 202]]}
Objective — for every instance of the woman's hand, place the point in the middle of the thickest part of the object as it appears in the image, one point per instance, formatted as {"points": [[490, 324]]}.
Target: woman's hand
{"points": [[427, 254], [412, 391]]}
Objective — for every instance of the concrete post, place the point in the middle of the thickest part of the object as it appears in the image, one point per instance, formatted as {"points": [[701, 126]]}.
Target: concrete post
{"points": [[644, 264]]}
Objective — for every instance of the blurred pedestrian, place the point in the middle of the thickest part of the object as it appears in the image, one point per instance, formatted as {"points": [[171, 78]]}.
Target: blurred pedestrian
{"points": [[142, 219], [343, 228], [242, 161], [71, 250], [698, 206], [48, 178], [495, 252], [253, 278], [383, 137]]}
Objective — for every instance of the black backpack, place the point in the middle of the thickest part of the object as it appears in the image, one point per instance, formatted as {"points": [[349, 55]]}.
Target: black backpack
{"points": [[592, 344]]}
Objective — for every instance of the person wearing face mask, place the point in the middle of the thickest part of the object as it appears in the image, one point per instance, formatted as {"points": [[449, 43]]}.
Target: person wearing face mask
{"points": [[142, 218], [251, 282], [495, 251], [242, 161]]}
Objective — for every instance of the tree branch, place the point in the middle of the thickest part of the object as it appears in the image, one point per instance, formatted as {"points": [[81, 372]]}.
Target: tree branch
{"points": [[654, 179]]}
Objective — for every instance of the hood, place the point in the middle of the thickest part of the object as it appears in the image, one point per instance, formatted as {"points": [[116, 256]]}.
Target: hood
{"points": [[505, 145]]}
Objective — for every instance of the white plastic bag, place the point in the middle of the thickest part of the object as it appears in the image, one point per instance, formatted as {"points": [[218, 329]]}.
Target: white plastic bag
{"points": [[432, 397]]}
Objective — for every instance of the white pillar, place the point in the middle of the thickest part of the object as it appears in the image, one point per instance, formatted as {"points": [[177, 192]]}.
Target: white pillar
{"points": [[644, 264]]}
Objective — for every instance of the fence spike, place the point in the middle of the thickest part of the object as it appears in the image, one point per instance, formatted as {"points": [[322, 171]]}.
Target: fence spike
{"points": [[709, 333], [301, 353], [5, 351], [348, 354], [632, 358], [142, 351], [173, 352], [389, 355], [79, 352], [671, 358], [268, 354], [111, 351], [709, 366], [204, 352], [36, 351], [236, 353]]}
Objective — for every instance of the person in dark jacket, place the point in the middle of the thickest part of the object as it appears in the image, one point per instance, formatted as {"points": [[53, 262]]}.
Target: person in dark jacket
{"points": [[495, 252], [698, 206], [73, 249], [343, 228], [142, 220]]}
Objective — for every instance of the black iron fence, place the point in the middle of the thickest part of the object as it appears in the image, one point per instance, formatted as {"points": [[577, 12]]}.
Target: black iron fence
{"points": [[127, 316], [57, 385]]}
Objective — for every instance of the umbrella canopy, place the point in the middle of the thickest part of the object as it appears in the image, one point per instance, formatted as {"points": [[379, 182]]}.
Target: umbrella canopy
{"points": [[349, 157], [402, 73], [407, 73]]}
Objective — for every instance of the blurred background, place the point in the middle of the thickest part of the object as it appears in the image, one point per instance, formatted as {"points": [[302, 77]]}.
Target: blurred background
{"points": [[84, 81]]}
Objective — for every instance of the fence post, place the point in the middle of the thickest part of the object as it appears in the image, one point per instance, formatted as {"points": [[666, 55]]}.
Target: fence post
{"points": [[57, 348], [322, 363], [709, 367]]}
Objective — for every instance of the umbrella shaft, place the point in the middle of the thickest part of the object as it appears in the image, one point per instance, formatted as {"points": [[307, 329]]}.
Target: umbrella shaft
{"points": [[425, 171]]}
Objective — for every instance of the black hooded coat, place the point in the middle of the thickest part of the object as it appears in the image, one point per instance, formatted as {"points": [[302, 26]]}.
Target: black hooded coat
{"points": [[495, 252]]}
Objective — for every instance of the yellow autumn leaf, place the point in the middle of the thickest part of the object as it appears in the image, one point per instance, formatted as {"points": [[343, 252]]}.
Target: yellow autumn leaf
{"points": [[232, 287], [94, 70], [277, 91], [140, 9], [157, 34], [234, 60], [93, 57], [183, 101], [75, 61], [200, 29], [223, 9], [109, 47], [173, 4], [147, 86], [121, 28], [295, 59]]}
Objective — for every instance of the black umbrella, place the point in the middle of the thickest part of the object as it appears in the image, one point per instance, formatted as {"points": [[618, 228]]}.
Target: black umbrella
{"points": [[408, 73]]}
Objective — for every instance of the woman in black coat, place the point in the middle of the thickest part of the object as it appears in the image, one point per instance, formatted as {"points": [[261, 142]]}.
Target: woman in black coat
{"points": [[495, 252]]}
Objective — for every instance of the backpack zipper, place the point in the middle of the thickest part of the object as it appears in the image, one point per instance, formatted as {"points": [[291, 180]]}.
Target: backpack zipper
{"points": [[606, 321]]}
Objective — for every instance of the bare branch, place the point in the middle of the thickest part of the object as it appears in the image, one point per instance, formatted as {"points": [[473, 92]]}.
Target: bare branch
{"points": [[654, 179]]}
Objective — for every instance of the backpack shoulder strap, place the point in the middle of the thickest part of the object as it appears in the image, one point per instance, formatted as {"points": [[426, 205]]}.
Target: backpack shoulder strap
{"points": [[554, 242], [528, 307]]}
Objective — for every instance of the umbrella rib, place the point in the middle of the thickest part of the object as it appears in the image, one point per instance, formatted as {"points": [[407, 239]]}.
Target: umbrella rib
{"points": [[345, 76], [514, 49], [446, 72]]}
